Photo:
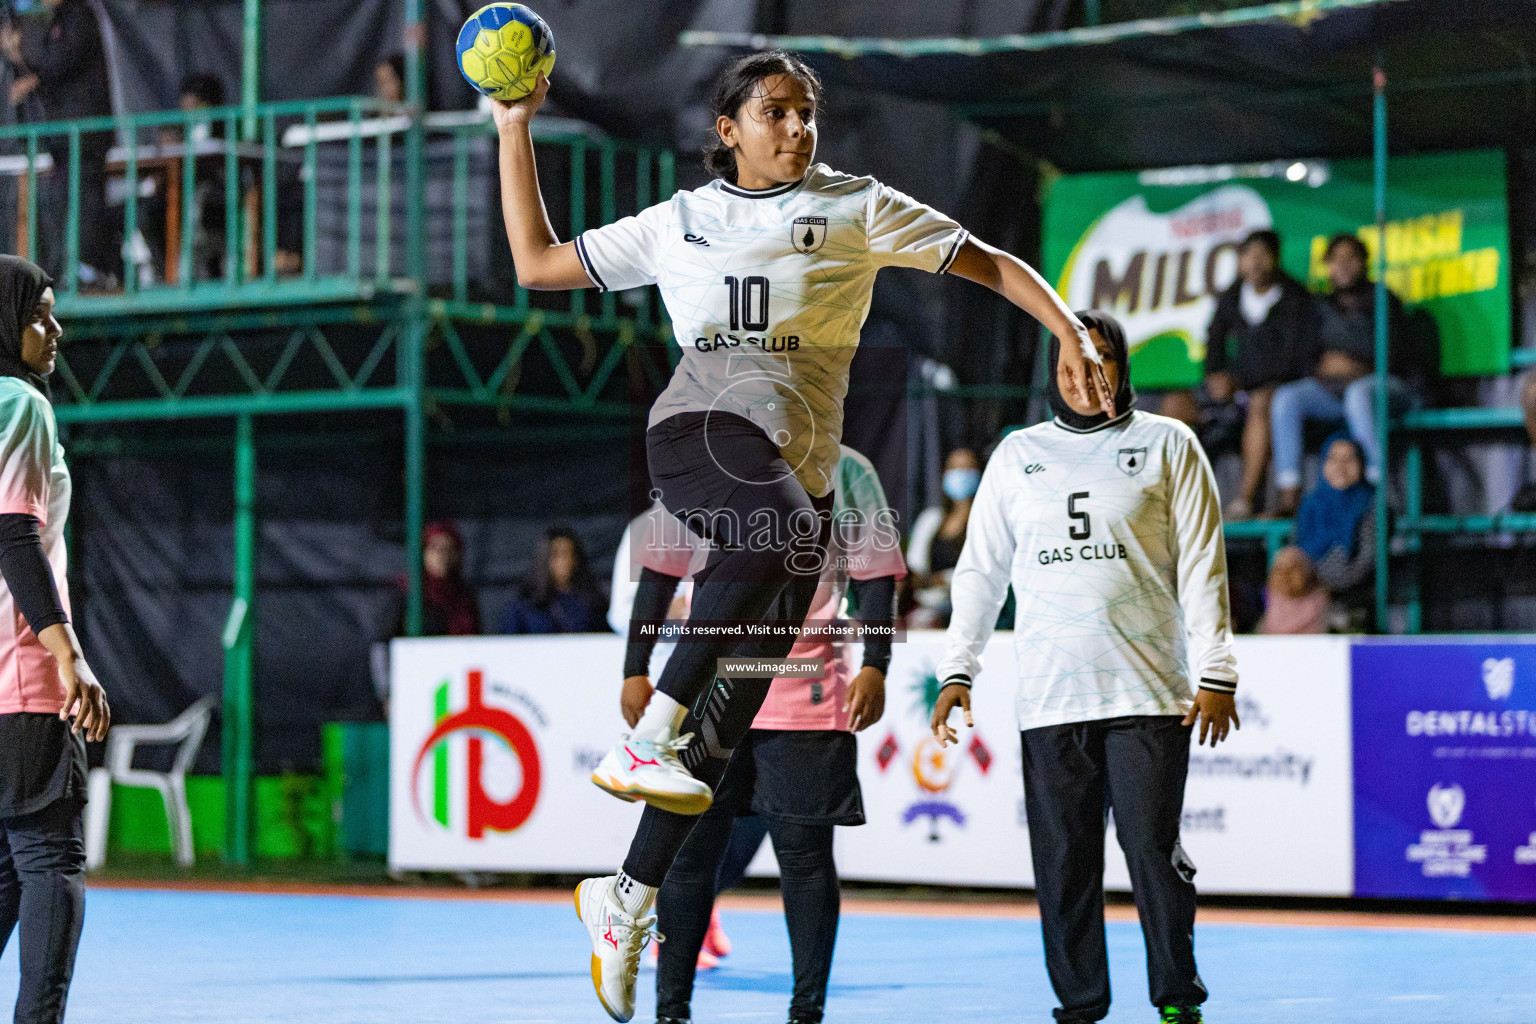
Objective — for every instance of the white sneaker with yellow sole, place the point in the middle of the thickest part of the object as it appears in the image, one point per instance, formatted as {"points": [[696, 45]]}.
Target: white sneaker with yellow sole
{"points": [[650, 771], [618, 939]]}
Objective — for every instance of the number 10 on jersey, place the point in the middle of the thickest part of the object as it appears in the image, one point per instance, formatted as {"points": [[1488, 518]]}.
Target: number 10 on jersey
{"points": [[749, 303]]}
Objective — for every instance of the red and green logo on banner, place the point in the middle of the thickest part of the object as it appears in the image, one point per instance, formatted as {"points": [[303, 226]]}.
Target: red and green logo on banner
{"points": [[470, 728], [1156, 248]]}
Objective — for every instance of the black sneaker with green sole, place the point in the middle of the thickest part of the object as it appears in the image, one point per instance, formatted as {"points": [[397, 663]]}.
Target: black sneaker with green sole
{"points": [[1180, 1015]]}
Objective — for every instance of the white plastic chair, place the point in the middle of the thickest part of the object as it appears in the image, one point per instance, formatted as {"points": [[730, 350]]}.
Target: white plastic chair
{"points": [[187, 729]]}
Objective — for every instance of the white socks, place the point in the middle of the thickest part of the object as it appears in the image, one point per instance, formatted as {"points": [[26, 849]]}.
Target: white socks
{"points": [[634, 897], [663, 716]]}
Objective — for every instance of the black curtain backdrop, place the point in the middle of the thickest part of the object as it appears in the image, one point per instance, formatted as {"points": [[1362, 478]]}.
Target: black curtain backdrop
{"points": [[153, 546]]}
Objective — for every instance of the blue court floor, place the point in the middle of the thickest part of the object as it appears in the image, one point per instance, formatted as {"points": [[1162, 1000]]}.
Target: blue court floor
{"points": [[228, 957]]}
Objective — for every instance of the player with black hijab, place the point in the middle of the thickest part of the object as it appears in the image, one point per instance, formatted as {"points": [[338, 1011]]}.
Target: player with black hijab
{"points": [[1109, 530], [50, 701]]}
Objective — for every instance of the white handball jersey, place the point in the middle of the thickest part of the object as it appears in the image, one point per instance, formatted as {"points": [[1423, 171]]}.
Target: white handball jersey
{"points": [[767, 291], [1112, 540]]}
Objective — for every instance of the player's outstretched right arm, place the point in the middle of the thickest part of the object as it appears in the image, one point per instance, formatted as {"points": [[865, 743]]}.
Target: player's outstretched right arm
{"points": [[543, 262], [1022, 285]]}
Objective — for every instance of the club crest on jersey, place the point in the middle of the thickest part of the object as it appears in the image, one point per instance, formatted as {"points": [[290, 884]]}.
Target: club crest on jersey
{"points": [[808, 233], [1131, 460]]}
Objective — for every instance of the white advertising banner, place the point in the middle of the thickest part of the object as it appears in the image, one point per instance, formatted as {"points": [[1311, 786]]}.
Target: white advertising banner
{"points": [[1266, 812], [1271, 810], [493, 739]]}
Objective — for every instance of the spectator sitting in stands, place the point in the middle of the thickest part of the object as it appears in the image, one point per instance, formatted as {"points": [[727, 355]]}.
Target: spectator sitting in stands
{"points": [[389, 79], [66, 65], [938, 534], [199, 91], [1296, 602], [1342, 385], [1336, 528], [1218, 425], [1260, 336], [448, 603], [562, 596]]}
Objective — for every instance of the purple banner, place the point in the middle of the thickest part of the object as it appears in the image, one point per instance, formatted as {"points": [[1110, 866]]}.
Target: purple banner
{"points": [[1445, 769]]}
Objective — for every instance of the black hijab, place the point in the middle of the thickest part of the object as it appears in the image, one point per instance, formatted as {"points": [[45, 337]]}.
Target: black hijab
{"points": [[1119, 352], [21, 288]]}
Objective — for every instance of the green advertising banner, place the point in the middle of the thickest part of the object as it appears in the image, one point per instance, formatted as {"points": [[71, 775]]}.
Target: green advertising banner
{"points": [[1157, 247]]}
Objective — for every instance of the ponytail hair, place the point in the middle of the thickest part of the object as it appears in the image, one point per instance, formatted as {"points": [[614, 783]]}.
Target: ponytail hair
{"points": [[735, 87]]}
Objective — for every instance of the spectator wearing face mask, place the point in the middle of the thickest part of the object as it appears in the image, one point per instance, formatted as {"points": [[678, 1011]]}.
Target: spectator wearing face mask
{"points": [[937, 537]]}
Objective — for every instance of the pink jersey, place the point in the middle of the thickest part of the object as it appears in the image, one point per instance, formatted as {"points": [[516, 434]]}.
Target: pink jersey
{"points": [[865, 546], [35, 482]]}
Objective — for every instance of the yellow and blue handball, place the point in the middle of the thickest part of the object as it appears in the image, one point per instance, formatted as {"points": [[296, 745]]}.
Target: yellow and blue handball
{"points": [[503, 49]]}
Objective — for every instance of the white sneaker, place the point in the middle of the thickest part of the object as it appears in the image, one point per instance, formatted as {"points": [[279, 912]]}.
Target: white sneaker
{"points": [[617, 942], [650, 771]]}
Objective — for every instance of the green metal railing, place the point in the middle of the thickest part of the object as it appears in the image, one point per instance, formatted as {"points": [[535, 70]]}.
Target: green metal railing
{"points": [[248, 290], [193, 156], [260, 181], [1415, 432]]}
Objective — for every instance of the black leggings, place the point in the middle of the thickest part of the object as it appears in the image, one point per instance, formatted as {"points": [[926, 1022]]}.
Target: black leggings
{"points": [[42, 884], [721, 475], [807, 878]]}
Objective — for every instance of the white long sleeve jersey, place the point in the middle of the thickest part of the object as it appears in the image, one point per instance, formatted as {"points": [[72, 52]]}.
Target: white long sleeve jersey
{"points": [[1112, 540]]}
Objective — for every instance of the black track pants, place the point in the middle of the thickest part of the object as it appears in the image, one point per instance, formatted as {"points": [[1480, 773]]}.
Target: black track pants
{"points": [[718, 719], [720, 474], [1073, 775], [42, 885]]}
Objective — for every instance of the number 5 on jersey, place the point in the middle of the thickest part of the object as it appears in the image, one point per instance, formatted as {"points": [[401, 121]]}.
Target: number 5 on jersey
{"points": [[1082, 529]]}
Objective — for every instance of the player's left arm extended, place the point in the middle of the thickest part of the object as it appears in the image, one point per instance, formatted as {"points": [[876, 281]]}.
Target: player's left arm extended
{"points": [[1201, 577], [1018, 282]]}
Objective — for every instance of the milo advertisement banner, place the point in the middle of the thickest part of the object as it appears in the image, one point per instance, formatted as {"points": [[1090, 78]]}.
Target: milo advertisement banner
{"points": [[1156, 248]]}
